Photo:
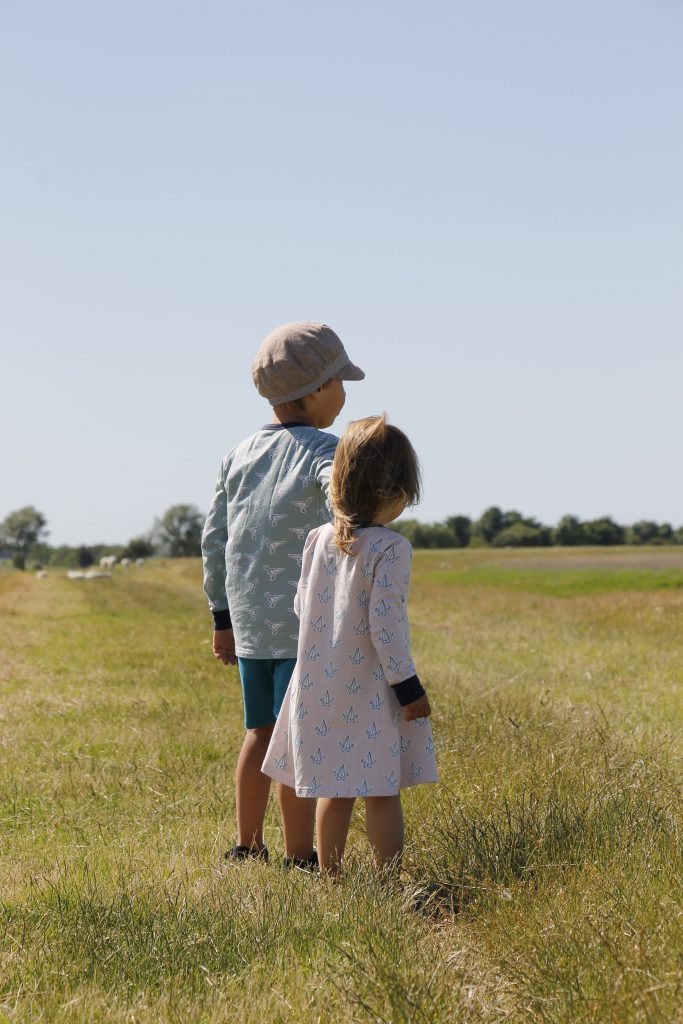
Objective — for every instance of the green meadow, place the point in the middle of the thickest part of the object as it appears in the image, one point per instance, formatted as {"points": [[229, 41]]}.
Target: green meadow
{"points": [[543, 876]]}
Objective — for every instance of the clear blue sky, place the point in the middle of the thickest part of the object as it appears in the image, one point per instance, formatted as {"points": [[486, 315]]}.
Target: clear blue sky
{"points": [[483, 199]]}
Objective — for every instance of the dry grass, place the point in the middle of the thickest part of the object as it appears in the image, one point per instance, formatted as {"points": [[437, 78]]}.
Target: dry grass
{"points": [[543, 875]]}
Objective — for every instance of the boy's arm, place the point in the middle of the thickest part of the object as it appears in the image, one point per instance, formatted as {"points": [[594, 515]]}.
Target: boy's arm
{"points": [[323, 467], [214, 540]]}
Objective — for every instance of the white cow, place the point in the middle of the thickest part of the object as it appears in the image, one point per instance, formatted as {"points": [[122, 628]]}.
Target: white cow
{"points": [[107, 561]]}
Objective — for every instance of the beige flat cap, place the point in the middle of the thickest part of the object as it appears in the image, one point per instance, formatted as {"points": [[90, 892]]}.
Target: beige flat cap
{"points": [[296, 359]]}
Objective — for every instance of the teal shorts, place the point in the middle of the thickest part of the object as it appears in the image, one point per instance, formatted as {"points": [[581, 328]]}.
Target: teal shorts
{"points": [[264, 684]]}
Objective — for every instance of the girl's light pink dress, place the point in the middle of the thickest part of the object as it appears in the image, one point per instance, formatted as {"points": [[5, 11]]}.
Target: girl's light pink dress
{"points": [[341, 731]]}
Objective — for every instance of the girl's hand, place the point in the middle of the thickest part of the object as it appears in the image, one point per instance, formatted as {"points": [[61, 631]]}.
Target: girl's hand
{"points": [[224, 646], [420, 708]]}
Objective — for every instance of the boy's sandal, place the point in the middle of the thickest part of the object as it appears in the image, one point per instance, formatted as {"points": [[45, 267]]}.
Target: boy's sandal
{"points": [[248, 853], [302, 863]]}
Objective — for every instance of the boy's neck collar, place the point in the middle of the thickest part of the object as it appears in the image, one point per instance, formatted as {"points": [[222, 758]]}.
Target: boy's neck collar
{"points": [[283, 426]]}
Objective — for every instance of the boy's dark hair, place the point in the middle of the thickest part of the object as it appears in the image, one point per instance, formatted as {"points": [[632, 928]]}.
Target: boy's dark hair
{"points": [[374, 463]]}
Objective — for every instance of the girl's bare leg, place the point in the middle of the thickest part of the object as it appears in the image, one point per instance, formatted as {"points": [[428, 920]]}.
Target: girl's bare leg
{"points": [[384, 825], [298, 816], [333, 818], [252, 787]]}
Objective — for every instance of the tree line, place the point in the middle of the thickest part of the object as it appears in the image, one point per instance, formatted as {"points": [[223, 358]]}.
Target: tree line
{"points": [[178, 534], [23, 534], [498, 529]]}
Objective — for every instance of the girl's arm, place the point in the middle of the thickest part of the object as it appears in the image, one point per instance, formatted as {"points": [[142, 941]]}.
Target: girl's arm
{"points": [[389, 628]]}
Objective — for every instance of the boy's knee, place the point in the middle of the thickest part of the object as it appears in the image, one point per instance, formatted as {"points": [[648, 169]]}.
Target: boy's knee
{"points": [[261, 734]]}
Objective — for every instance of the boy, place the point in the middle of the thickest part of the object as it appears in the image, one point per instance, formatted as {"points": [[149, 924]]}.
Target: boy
{"points": [[271, 491]]}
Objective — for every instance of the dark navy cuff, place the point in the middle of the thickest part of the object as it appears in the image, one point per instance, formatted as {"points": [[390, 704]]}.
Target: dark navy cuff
{"points": [[408, 691], [221, 619]]}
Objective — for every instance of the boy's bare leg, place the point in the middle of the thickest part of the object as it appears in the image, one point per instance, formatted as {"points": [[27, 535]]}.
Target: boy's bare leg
{"points": [[298, 817], [384, 825], [252, 787], [333, 818]]}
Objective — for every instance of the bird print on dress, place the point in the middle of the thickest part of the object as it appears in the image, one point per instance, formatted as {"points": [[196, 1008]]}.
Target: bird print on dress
{"points": [[361, 745]]}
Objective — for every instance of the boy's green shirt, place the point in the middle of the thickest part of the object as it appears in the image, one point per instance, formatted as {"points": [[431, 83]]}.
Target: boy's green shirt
{"points": [[272, 490]]}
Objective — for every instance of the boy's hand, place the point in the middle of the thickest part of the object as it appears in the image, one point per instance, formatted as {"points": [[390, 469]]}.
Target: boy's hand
{"points": [[224, 646], [420, 708]]}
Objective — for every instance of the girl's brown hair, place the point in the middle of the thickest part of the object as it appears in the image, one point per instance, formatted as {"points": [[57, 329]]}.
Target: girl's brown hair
{"points": [[375, 463]]}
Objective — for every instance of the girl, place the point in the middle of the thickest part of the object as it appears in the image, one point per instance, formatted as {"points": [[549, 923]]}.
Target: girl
{"points": [[354, 720]]}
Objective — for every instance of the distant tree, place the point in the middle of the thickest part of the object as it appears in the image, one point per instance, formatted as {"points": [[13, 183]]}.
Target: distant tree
{"points": [[665, 533], [20, 531], [489, 524], [460, 527], [407, 528], [522, 535], [677, 537], [569, 532], [138, 547], [42, 553], [433, 535], [84, 557], [642, 532], [512, 517], [64, 555], [603, 531], [180, 530], [424, 535]]}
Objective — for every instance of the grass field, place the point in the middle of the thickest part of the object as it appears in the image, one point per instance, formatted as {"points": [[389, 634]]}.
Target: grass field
{"points": [[544, 875]]}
